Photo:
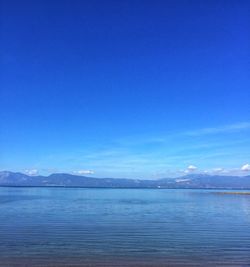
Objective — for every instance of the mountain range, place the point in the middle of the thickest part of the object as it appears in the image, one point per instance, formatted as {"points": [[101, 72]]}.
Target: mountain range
{"points": [[8, 178]]}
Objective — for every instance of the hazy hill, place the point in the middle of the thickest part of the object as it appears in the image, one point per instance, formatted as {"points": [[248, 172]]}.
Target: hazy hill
{"points": [[63, 179]]}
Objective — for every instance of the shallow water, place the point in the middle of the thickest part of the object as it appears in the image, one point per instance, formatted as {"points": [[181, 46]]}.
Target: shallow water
{"points": [[123, 227]]}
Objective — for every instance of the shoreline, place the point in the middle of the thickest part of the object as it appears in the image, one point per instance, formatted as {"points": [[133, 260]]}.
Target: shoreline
{"points": [[233, 193]]}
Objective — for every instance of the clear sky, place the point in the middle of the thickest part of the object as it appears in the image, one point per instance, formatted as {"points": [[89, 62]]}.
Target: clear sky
{"points": [[125, 88]]}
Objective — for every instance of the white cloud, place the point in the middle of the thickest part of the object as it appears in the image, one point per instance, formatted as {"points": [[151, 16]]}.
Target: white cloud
{"points": [[83, 172], [191, 168], [245, 167], [31, 172]]}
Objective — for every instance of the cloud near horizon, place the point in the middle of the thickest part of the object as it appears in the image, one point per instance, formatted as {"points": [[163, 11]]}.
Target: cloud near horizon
{"points": [[31, 172], [245, 167], [218, 169], [83, 172], [191, 168]]}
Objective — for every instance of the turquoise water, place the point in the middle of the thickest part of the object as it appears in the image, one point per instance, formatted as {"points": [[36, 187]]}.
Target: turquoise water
{"points": [[123, 227]]}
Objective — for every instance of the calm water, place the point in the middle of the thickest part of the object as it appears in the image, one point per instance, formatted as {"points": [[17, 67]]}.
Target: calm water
{"points": [[123, 227]]}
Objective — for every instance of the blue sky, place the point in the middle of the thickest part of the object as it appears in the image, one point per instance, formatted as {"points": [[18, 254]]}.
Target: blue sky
{"points": [[125, 88]]}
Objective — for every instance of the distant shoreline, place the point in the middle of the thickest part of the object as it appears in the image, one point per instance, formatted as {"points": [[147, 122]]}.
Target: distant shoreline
{"points": [[233, 193], [155, 188]]}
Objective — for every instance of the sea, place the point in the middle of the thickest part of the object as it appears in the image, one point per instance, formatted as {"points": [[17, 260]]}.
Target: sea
{"points": [[57, 227]]}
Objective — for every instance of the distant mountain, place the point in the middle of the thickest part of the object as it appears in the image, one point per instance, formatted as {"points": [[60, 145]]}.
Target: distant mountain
{"points": [[64, 179], [210, 181], [68, 180]]}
